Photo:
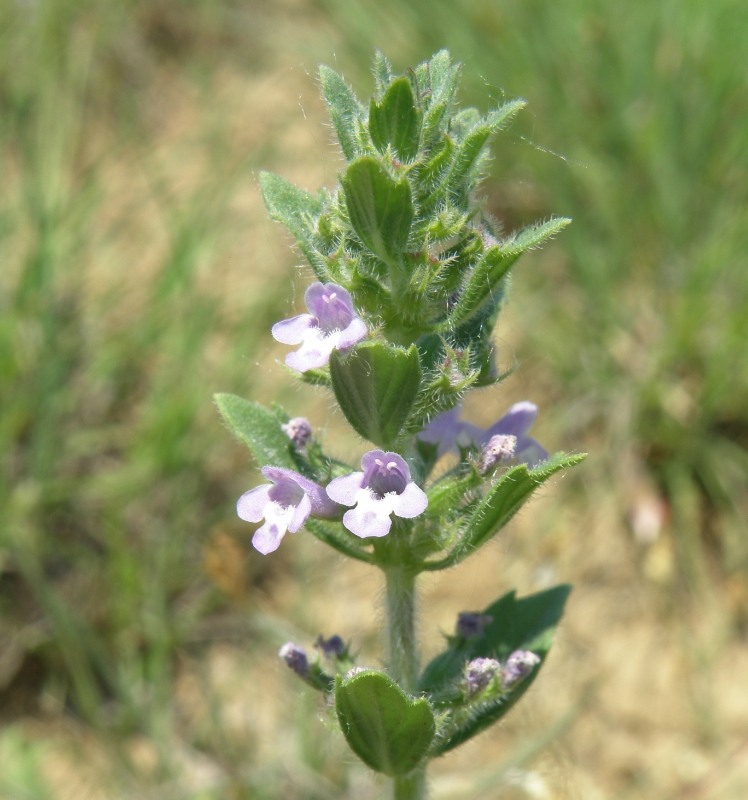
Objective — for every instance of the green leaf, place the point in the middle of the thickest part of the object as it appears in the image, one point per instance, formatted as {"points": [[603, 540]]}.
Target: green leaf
{"points": [[380, 208], [259, 428], [395, 120], [471, 146], [382, 70], [483, 285], [437, 81], [469, 153], [534, 235], [375, 385], [297, 210], [388, 730], [346, 111], [500, 503], [525, 624]]}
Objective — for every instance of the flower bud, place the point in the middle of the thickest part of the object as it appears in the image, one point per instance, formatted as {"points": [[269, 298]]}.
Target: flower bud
{"points": [[479, 673], [299, 431], [471, 624], [295, 658], [499, 448], [334, 647], [518, 666]]}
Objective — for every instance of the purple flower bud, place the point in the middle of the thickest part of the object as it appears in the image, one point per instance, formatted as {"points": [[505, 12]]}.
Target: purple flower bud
{"points": [[331, 324], [299, 431], [499, 448], [295, 657], [479, 673], [332, 647], [471, 624], [383, 488], [285, 505], [518, 666]]}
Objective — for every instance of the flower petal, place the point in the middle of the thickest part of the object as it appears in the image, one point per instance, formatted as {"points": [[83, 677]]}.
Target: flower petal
{"points": [[268, 537], [251, 505], [331, 305], [370, 517], [354, 333], [516, 422], [314, 352], [411, 502], [301, 514], [322, 506], [443, 430], [293, 330], [530, 452], [344, 490]]}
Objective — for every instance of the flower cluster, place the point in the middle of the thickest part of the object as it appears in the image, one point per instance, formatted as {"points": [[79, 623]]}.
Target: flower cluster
{"points": [[506, 439], [382, 489]]}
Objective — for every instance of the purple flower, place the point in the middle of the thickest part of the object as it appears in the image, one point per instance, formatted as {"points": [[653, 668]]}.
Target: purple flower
{"points": [[285, 505], [330, 324], [383, 488], [448, 430], [445, 431]]}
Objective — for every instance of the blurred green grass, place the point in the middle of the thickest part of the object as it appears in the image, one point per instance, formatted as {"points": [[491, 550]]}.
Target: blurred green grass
{"points": [[122, 309]]}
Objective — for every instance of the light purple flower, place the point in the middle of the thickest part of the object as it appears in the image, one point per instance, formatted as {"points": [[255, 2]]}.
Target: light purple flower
{"points": [[285, 505], [448, 430], [383, 488], [331, 324]]}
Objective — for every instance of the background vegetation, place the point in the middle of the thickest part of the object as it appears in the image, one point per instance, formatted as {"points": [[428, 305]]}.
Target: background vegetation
{"points": [[140, 274]]}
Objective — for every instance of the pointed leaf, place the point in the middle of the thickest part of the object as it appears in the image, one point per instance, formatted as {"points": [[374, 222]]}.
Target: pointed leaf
{"points": [[484, 283], [375, 385], [472, 145], [346, 111], [395, 120], [528, 623], [380, 208], [297, 210], [259, 428], [382, 70], [389, 731], [500, 503]]}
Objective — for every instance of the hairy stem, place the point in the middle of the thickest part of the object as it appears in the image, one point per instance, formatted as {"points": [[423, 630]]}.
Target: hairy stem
{"points": [[403, 658]]}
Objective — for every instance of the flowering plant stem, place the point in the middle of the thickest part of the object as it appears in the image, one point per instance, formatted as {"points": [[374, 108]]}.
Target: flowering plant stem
{"points": [[403, 657], [411, 274]]}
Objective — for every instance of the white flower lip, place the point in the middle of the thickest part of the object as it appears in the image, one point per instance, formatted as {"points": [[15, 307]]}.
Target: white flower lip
{"points": [[383, 488]]}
